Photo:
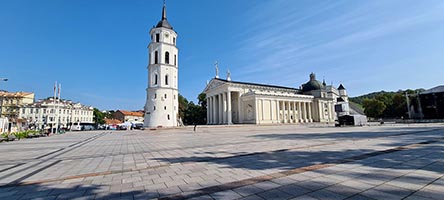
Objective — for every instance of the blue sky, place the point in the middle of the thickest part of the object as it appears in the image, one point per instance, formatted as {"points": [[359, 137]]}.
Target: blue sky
{"points": [[97, 49]]}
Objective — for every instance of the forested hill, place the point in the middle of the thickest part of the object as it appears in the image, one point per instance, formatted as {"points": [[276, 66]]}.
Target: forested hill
{"points": [[372, 95], [385, 104]]}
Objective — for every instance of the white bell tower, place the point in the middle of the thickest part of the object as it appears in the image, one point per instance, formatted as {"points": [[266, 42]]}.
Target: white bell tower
{"points": [[162, 105]]}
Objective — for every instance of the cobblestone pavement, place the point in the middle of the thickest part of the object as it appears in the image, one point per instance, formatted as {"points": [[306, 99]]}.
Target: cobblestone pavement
{"points": [[239, 162]]}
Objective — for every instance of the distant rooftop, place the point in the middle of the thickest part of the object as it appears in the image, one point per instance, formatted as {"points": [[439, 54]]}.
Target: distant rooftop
{"points": [[131, 113], [436, 89], [15, 94]]}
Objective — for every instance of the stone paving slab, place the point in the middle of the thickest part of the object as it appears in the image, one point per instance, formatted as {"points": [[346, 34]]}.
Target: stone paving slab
{"points": [[262, 162]]}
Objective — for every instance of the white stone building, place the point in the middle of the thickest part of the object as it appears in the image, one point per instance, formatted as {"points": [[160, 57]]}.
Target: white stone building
{"points": [[44, 113], [240, 102], [162, 105]]}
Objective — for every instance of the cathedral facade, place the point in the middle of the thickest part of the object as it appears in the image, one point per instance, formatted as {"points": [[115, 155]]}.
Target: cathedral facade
{"points": [[162, 105], [234, 102]]}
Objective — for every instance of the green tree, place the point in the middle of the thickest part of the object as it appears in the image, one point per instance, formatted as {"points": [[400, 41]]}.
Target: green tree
{"points": [[193, 113], [183, 106], [98, 117], [202, 100], [373, 108]]}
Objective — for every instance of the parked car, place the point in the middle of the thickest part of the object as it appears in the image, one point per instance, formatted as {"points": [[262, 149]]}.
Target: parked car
{"points": [[88, 128], [138, 126], [122, 127], [112, 127]]}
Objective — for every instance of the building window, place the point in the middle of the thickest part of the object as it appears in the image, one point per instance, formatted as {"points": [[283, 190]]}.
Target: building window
{"points": [[175, 60], [155, 95], [154, 108], [166, 79], [165, 107], [157, 37], [168, 116], [174, 96], [155, 79], [165, 96], [156, 57], [174, 40], [167, 57]]}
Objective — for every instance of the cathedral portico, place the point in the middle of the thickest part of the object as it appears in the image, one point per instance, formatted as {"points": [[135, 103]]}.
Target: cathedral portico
{"points": [[239, 102]]}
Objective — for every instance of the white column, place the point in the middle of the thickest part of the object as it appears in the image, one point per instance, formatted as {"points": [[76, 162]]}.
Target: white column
{"points": [[214, 107], [288, 112], [282, 111], [220, 108], [229, 108], [304, 111], [309, 112], [272, 112], [295, 119], [331, 109], [224, 108], [299, 112], [278, 111], [239, 109]]}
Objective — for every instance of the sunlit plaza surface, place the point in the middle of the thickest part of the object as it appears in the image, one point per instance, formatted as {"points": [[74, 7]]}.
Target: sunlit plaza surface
{"points": [[220, 162]]}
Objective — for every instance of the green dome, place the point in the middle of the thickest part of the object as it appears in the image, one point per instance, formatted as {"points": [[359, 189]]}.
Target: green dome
{"points": [[313, 84]]}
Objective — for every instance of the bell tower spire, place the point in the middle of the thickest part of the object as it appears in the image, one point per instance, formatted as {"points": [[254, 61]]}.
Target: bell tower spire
{"points": [[164, 22], [164, 12]]}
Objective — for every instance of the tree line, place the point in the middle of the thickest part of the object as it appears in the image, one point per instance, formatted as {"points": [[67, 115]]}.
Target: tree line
{"points": [[388, 104]]}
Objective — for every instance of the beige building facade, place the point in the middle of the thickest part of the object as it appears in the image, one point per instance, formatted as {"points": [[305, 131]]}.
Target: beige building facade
{"points": [[10, 103]]}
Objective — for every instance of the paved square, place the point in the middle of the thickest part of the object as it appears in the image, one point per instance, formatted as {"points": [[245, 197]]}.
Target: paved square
{"points": [[238, 162]]}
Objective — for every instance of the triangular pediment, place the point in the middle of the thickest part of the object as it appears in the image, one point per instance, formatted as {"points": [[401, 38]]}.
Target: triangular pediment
{"points": [[214, 83]]}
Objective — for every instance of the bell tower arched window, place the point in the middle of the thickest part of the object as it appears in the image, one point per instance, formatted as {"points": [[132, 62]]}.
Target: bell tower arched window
{"points": [[166, 79], [156, 57], [167, 57], [155, 79]]}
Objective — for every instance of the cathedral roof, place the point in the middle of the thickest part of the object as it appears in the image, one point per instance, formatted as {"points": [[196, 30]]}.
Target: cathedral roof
{"points": [[257, 84], [164, 22], [312, 84], [341, 87]]}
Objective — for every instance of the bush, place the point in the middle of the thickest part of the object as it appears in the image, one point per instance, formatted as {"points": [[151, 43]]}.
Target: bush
{"points": [[20, 135]]}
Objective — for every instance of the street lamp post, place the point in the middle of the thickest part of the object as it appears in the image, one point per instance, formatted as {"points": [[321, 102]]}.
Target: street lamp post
{"points": [[1, 102]]}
